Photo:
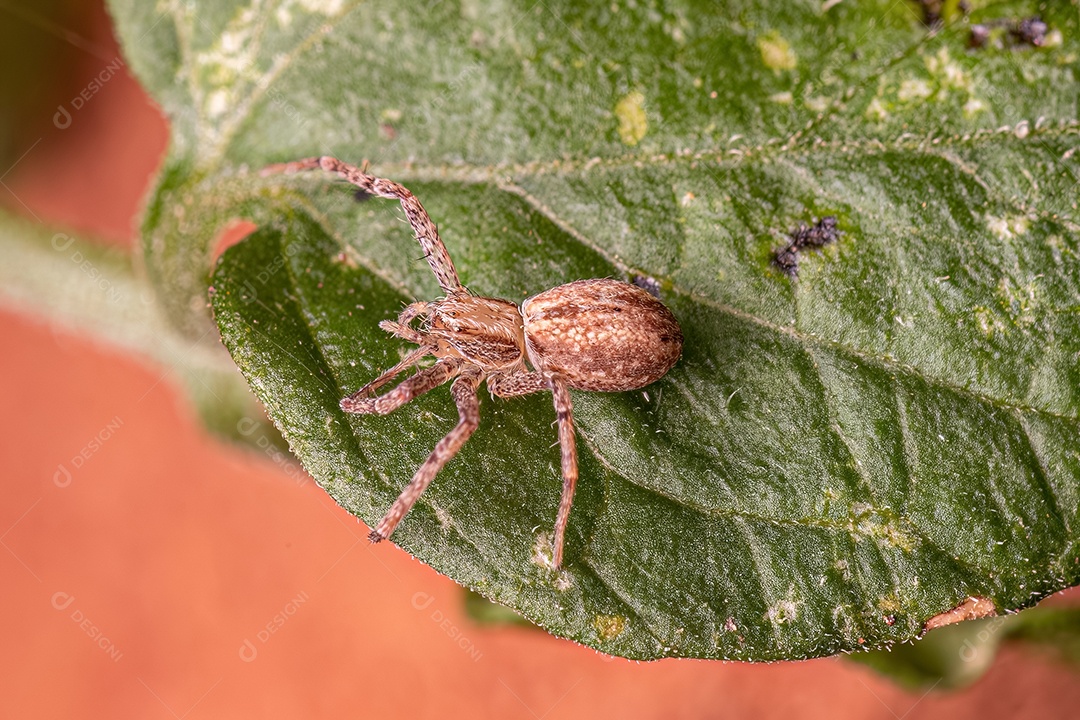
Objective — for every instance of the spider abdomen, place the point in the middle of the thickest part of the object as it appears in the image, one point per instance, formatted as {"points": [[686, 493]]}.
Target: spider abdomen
{"points": [[601, 335]]}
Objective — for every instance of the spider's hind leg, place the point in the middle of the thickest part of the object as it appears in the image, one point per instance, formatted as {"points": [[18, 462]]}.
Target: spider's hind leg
{"points": [[524, 383], [565, 417], [517, 384]]}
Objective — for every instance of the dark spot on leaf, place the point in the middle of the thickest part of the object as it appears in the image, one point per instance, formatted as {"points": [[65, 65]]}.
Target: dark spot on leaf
{"points": [[936, 12], [819, 234], [787, 259], [978, 36], [931, 12], [361, 196], [648, 284], [1030, 31], [1027, 32]]}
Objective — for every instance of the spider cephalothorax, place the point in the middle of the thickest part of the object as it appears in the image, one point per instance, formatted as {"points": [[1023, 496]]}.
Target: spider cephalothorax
{"points": [[599, 334]]}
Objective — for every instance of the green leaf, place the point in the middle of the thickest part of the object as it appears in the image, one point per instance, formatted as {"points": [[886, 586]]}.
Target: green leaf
{"points": [[836, 458]]}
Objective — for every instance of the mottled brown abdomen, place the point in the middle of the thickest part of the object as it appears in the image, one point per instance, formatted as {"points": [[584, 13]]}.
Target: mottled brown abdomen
{"points": [[602, 335]]}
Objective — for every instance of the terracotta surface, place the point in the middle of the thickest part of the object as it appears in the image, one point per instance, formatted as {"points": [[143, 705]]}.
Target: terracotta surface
{"points": [[143, 584]]}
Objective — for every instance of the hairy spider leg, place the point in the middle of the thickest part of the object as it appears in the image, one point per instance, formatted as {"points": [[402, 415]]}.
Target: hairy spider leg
{"points": [[517, 384], [409, 389], [411, 358], [468, 404], [564, 414], [402, 331], [507, 386], [426, 232]]}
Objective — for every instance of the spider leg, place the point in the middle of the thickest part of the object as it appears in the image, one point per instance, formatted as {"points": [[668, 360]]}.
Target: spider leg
{"points": [[565, 416], [516, 384], [468, 405], [411, 358], [361, 402], [426, 232]]}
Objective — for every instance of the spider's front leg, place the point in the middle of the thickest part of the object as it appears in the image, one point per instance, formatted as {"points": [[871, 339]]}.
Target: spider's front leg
{"points": [[348, 404], [468, 405], [423, 227], [361, 402]]}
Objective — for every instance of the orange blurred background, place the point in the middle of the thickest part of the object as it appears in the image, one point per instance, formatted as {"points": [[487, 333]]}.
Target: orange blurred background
{"points": [[173, 576]]}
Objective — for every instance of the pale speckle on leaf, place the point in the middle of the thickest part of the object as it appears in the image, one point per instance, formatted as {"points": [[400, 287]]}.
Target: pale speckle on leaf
{"points": [[876, 111], [776, 52], [1006, 228], [973, 106], [325, 7], [609, 627], [633, 123], [911, 90]]}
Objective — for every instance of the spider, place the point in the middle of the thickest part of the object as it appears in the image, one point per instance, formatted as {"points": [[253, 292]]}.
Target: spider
{"points": [[599, 335]]}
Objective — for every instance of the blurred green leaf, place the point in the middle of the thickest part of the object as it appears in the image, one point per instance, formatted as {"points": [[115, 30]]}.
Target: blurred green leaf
{"points": [[484, 612], [947, 658], [1054, 629], [957, 655], [80, 286], [836, 458]]}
